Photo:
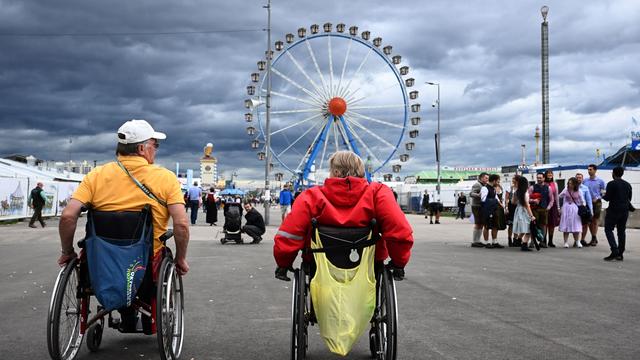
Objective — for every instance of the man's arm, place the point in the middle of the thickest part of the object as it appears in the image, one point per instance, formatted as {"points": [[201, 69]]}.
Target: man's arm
{"points": [[181, 236], [67, 228], [607, 195], [475, 191], [551, 198], [483, 193]]}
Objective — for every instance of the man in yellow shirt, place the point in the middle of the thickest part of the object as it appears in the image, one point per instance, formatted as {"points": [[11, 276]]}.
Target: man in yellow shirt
{"points": [[109, 188]]}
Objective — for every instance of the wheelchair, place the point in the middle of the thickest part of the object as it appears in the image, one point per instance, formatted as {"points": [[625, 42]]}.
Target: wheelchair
{"points": [[383, 332], [70, 317]]}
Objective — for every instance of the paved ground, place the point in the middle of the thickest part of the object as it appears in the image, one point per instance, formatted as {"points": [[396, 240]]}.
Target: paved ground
{"points": [[457, 302]]}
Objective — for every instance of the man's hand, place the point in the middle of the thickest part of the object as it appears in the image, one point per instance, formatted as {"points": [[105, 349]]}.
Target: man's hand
{"points": [[396, 271], [64, 259], [182, 266], [281, 274]]}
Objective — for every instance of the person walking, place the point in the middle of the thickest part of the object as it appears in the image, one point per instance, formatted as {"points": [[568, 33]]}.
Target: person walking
{"points": [[462, 203], [618, 194], [553, 212], [596, 186], [195, 195], [476, 204], [212, 207], [285, 201], [37, 200], [570, 219], [425, 203], [435, 208], [522, 215]]}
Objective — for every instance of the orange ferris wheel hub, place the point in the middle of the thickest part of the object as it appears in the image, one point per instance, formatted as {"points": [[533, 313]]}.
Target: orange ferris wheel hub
{"points": [[337, 106]]}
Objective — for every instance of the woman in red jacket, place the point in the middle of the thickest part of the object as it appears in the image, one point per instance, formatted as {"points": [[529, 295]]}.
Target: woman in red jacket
{"points": [[346, 200]]}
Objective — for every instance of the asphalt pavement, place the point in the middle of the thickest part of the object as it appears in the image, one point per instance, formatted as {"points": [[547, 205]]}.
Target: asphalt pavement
{"points": [[457, 302]]}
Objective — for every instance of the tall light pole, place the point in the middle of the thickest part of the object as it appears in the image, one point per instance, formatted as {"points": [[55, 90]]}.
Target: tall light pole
{"points": [[544, 29], [437, 139], [267, 190]]}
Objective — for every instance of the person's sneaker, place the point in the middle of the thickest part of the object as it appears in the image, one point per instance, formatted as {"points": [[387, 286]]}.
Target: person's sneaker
{"points": [[430, 222], [543, 245], [488, 246], [43, 224], [437, 222], [524, 247], [551, 244], [32, 226], [477, 244], [256, 240], [593, 243], [584, 243], [579, 244], [620, 257], [497, 246], [611, 257], [566, 245], [517, 242]]}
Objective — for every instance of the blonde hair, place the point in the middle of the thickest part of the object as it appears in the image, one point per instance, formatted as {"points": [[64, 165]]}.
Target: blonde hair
{"points": [[345, 163]]}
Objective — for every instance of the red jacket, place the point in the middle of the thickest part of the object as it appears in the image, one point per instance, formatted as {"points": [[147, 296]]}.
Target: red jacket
{"points": [[349, 202]]}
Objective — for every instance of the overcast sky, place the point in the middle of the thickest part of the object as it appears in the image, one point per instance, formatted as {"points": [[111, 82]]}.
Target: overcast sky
{"points": [[138, 59]]}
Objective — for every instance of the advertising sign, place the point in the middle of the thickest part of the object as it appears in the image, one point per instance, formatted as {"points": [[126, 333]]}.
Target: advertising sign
{"points": [[13, 197]]}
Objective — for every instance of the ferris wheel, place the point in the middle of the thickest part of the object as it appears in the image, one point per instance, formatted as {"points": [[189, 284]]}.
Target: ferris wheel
{"points": [[330, 91]]}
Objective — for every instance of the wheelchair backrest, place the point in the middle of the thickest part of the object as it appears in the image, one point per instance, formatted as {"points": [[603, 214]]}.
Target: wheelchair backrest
{"points": [[120, 226], [340, 244]]}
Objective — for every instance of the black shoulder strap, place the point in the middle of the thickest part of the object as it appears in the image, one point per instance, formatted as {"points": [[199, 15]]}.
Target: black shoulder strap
{"points": [[141, 186]]}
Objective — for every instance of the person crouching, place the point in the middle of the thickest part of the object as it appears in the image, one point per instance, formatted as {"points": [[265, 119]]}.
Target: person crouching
{"points": [[255, 223]]}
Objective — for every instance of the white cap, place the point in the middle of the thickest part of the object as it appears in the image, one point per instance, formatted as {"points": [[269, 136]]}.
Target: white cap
{"points": [[135, 131]]}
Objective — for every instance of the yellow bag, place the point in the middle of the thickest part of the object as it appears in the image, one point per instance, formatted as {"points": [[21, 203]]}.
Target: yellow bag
{"points": [[343, 299]]}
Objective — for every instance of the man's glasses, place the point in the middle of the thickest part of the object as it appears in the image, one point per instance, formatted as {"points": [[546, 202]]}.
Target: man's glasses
{"points": [[155, 144]]}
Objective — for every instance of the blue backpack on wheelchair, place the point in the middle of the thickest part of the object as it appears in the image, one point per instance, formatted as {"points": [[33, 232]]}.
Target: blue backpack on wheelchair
{"points": [[118, 261]]}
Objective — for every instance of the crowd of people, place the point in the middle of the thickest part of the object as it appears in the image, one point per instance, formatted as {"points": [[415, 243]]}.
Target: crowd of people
{"points": [[524, 209]]}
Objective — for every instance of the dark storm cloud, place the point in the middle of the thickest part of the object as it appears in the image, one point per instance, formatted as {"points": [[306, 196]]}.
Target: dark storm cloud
{"points": [[192, 86]]}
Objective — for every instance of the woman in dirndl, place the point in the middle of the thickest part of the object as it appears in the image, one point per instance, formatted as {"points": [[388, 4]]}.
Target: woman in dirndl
{"points": [[553, 216], [522, 216], [570, 222]]}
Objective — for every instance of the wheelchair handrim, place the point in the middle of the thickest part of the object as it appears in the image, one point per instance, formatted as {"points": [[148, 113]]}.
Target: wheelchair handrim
{"points": [[67, 289], [171, 331], [54, 292], [387, 327]]}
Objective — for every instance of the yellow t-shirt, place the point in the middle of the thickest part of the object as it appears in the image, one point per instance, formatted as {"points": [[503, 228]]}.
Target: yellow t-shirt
{"points": [[109, 188]]}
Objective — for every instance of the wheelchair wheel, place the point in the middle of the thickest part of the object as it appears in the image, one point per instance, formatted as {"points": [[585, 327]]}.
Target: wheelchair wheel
{"points": [[385, 328], [169, 311], [298, 321], [94, 336], [63, 320]]}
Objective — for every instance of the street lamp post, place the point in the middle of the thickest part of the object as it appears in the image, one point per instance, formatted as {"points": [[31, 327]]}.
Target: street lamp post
{"points": [[267, 190], [437, 139]]}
